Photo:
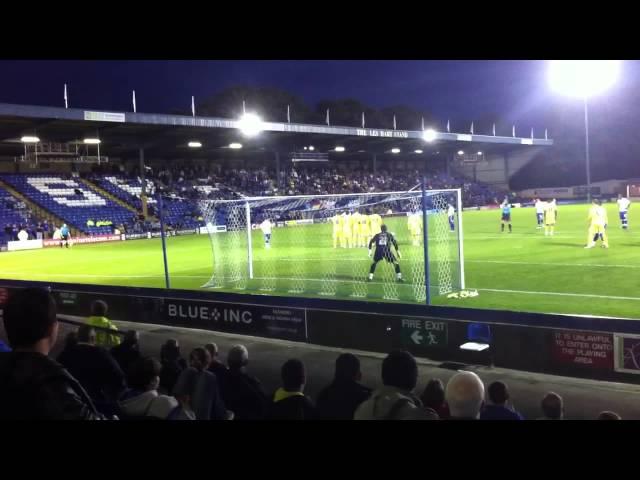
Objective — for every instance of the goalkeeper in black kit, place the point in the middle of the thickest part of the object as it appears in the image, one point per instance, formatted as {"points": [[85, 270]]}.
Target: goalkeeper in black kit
{"points": [[383, 242]]}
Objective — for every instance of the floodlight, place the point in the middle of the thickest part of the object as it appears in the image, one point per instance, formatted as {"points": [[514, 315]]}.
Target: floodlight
{"points": [[429, 135], [91, 141], [235, 145], [312, 148], [194, 144], [479, 153], [460, 152], [395, 150], [417, 151], [583, 78], [29, 139], [339, 149], [250, 124]]}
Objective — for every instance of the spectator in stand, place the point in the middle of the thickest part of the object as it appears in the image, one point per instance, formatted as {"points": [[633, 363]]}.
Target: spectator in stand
{"points": [[433, 397], [499, 409], [341, 398], [95, 369], [289, 401], [197, 389], [607, 415], [395, 400], [465, 396], [216, 367], [552, 407], [99, 320], [128, 351], [33, 386], [242, 393], [172, 365], [70, 341], [142, 400]]}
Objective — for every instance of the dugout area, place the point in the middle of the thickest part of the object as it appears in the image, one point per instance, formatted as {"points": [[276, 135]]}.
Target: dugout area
{"points": [[582, 346]]}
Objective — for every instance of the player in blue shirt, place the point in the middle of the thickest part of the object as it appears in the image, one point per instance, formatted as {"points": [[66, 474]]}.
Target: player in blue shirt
{"points": [[506, 214], [65, 235]]}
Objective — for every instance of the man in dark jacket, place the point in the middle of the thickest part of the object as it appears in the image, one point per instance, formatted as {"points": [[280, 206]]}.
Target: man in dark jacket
{"points": [[498, 409], [33, 386], [216, 367], [95, 369], [339, 400], [127, 352], [289, 401], [242, 393]]}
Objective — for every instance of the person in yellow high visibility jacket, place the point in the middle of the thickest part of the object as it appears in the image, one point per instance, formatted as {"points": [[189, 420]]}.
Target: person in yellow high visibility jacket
{"points": [[598, 222], [98, 319]]}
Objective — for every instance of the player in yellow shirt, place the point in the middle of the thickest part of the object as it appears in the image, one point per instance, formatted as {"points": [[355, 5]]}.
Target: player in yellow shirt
{"points": [[598, 222], [355, 228], [346, 230], [550, 217], [414, 222], [337, 231], [376, 223]]}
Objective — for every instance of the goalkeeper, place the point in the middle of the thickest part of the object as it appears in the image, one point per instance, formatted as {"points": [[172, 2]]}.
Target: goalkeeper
{"points": [[383, 242]]}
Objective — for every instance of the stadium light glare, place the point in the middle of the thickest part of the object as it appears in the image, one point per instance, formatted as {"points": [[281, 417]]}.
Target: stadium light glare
{"points": [[250, 124], [312, 148], [417, 151], [339, 149], [29, 139], [395, 150], [194, 144], [429, 135], [460, 152], [479, 153], [235, 145], [582, 78], [91, 141]]}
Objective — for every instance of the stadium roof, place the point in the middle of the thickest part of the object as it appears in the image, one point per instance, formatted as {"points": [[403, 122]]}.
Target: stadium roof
{"points": [[166, 136]]}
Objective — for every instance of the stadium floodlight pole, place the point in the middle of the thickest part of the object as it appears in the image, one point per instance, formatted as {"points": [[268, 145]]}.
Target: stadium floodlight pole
{"points": [[164, 244], [425, 238], [583, 79]]}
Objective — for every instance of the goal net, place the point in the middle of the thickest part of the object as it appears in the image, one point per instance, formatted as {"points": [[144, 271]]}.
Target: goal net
{"points": [[318, 245]]}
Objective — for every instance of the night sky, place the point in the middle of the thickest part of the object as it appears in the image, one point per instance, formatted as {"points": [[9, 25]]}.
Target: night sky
{"points": [[515, 90]]}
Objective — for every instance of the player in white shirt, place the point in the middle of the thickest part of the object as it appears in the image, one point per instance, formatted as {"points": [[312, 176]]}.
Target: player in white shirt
{"points": [[623, 207], [451, 213], [540, 208], [266, 227]]}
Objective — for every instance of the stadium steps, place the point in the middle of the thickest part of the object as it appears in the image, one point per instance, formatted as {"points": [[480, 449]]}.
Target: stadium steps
{"points": [[40, 213], [107, 195]]}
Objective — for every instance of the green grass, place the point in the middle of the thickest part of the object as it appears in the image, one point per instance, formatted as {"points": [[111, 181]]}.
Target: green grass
{"points": [[523, 271]]}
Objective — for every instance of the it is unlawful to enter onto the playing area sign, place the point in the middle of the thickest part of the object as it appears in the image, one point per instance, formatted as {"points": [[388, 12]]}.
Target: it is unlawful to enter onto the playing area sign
{"points": [[424, 333]]}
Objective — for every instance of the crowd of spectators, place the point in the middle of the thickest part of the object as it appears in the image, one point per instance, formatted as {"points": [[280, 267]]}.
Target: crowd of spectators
{"points": [[89, 382]]}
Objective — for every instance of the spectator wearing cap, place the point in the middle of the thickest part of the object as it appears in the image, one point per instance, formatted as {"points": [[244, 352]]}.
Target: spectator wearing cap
{"points": [[552, 407], [465, 396], [33, 386], [340, 399], [242, 393], [396, 400], [289, 401], [498, 408]]}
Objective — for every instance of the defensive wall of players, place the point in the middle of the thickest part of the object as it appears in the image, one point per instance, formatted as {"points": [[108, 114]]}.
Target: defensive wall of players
{"points": [[590, 347]]}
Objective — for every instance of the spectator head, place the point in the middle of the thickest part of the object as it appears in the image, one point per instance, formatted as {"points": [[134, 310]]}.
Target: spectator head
{"points": [[170, 350], [99, 308], [552, 406], [348, 368], [87, 334], [465, 395], [212, 348], [144, 374], [607, 415], [237, 357], [433, 394], [30, 320], [293, 375], [400, 370], [199, 358], [498, 393], [131, 338]]}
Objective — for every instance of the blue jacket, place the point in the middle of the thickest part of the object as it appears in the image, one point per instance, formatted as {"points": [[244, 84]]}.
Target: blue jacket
{"points": [[499, 412]]}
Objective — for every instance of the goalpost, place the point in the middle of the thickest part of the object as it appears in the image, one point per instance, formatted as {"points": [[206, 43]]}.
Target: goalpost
{"points": [[319, 244]]}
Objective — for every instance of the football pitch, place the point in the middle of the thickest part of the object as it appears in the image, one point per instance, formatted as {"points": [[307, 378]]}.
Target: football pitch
{"points": [[521, 271]]}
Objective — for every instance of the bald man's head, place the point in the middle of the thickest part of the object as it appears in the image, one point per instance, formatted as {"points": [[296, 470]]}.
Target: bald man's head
{"points": [[465, 395], [552, 406]]}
